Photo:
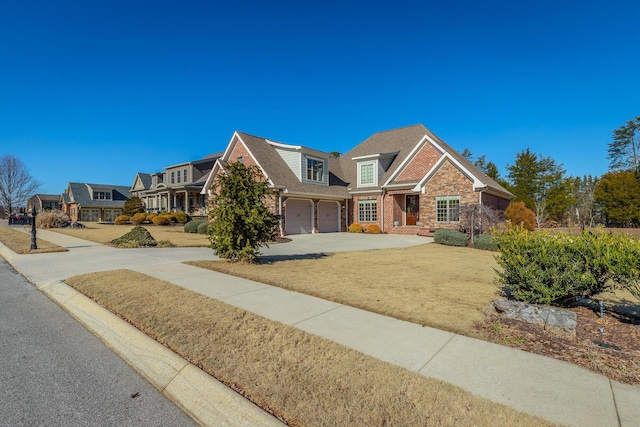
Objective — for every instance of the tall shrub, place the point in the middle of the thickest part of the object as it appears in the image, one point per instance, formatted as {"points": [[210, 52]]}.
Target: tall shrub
{"points": [[132, 206], [242, 223]]}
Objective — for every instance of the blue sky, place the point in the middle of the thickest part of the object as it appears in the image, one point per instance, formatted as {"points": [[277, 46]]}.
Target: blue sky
{"points": [[97, 91]]}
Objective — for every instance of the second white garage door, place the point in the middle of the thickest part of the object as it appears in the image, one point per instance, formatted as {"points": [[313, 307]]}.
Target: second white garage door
{"points": [[298, 218], [328, 217]]}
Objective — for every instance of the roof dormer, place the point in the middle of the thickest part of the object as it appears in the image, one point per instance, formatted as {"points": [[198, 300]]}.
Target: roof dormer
{"points": [[372, 167]]}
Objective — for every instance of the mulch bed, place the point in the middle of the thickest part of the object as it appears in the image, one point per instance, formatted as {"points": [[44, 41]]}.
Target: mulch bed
{"points": [[614, 353]]}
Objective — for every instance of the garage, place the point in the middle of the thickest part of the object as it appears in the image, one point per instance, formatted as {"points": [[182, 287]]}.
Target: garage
{"points": [[90, 215], [110, 215], [298, 218], [328, 216]]}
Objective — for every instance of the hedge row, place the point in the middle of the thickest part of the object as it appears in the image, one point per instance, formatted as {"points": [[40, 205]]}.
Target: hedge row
{"points": [[556, 269]]}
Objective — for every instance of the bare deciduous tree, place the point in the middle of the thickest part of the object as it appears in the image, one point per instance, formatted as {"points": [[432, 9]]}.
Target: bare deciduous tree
{"points": [[16, 184]]}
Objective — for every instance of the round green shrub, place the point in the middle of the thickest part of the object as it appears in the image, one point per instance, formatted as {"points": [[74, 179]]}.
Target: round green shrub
{"points": [[485, 242], [137, 237], [450, 237], [202, 228], [192, 226]]}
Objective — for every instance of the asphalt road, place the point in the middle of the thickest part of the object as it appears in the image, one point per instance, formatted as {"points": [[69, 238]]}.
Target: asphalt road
{"points": [[54, 372]]}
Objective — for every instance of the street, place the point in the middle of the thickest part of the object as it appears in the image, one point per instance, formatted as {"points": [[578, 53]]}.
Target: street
{"points": [[54, 372]]}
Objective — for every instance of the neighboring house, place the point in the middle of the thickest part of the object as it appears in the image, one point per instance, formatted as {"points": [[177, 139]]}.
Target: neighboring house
{"points": [[176, 188], [44, 202], [405, 180], [94, 202]]}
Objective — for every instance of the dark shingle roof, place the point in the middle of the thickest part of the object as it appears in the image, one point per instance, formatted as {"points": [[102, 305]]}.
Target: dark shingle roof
{"points": [[280, 173], [146, 179], [79, 192], [402, 141]]}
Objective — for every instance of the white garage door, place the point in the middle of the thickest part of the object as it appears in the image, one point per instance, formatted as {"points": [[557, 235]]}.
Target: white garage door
{"points": [[298, 216], [328, 218], [111, 214], [90, 215]]}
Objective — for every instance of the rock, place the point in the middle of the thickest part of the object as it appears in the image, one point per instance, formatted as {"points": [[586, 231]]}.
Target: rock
{"points": [[73, 224], [556, 318]]}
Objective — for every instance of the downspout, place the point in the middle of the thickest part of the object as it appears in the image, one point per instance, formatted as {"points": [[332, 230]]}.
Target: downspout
{"points": [[481, 209], [382, 213], [280, 212], [346, 213]]}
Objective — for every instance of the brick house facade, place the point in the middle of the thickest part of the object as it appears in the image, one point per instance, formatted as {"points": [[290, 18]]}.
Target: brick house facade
{"points": [[406, 180]]}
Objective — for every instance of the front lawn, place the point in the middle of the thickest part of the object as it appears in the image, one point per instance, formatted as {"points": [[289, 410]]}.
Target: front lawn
{"points": [[105, 233], [302, 378]]}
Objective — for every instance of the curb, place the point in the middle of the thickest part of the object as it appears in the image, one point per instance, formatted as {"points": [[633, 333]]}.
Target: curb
{"points": [[201, 396]]}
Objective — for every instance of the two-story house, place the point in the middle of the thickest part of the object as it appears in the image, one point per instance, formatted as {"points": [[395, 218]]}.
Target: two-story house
{"points": [[177, 188], [94, 202], [404, 180]]}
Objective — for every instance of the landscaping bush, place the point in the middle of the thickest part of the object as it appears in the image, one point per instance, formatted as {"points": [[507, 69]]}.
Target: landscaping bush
{"points": [[192, 226], [136, 238], [132, 206], [485, 242], [203, 227], [355, 228], [161, 220], [181, 217], [373, 229], [51, 219], [122, 219], [138, 218], [150, 217], [518, 214], [544, 268], [450, 237], [171, 216]]}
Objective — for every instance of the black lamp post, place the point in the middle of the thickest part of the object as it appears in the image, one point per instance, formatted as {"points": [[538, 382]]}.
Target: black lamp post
{"points": [[33, 228]]}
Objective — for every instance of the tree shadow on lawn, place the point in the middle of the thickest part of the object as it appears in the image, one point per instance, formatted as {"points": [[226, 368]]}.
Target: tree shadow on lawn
{"points": [[271, 259]]}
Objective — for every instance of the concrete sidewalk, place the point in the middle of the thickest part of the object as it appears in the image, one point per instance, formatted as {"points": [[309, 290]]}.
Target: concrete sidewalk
{"points": [[552, 389]]}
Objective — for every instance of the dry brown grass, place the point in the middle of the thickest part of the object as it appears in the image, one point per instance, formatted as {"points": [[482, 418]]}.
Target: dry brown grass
{"points": [[440, 286], [303, 379], [20, 242], [104, 233]]}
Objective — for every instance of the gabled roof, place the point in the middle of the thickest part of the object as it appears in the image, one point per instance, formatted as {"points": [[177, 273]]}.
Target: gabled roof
{"points": [[405, 143], [145, 179], [276, 170], [80, 192], [48, 197]]}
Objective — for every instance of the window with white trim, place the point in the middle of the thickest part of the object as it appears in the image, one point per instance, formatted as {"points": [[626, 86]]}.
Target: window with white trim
{"points": [[448, 208], [173, 177], [102, 195], [184, 175], [315, 170], [367, 173], [367, 210]]}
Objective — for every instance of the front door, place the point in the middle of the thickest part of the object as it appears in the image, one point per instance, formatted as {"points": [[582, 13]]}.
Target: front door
{"points": [[411, 209]]}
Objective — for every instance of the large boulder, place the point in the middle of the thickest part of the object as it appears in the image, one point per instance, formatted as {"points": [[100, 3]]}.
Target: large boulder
{"points": [[549, 317]]}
